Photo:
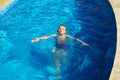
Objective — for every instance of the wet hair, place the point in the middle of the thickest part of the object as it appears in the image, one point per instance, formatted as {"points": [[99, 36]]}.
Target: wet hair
{"points": [[60, 26]]}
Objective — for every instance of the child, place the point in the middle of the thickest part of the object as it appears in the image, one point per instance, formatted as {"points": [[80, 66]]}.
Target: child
{"points": [[61, 45]]}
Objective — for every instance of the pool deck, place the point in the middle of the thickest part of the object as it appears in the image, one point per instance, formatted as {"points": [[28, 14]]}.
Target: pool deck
{"points": [[115, 75], [4, 3]]}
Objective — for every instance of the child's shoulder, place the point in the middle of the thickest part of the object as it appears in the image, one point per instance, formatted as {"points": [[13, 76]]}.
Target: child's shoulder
{"points": [[67, 35]]}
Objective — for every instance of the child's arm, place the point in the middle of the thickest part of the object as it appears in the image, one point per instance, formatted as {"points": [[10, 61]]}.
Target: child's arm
{"points": [[42, 38], [77, 39]]}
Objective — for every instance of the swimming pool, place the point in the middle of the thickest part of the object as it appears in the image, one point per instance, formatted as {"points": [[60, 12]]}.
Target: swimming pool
{"points": [[91, 21]]}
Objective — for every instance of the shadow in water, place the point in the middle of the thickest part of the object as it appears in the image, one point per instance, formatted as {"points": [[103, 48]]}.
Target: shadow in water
{"points": [[38, 59]]}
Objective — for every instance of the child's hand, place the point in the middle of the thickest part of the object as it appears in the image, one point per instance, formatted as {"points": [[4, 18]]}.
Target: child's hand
{"points": [[35, 40], [85, 44], [53, 50]]}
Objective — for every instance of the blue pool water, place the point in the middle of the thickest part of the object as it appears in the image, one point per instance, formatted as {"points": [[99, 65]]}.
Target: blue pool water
{"points": [[92, 21]]}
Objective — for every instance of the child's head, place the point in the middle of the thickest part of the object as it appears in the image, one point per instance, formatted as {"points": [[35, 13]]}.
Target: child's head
{"points": [[61, 29]]}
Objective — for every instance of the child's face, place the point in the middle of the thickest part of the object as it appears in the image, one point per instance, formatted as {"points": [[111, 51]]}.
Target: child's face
{"points": [[62, 30]]}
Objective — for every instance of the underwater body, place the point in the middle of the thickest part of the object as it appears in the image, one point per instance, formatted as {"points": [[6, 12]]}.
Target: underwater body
{"points": [[92, 21]]}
